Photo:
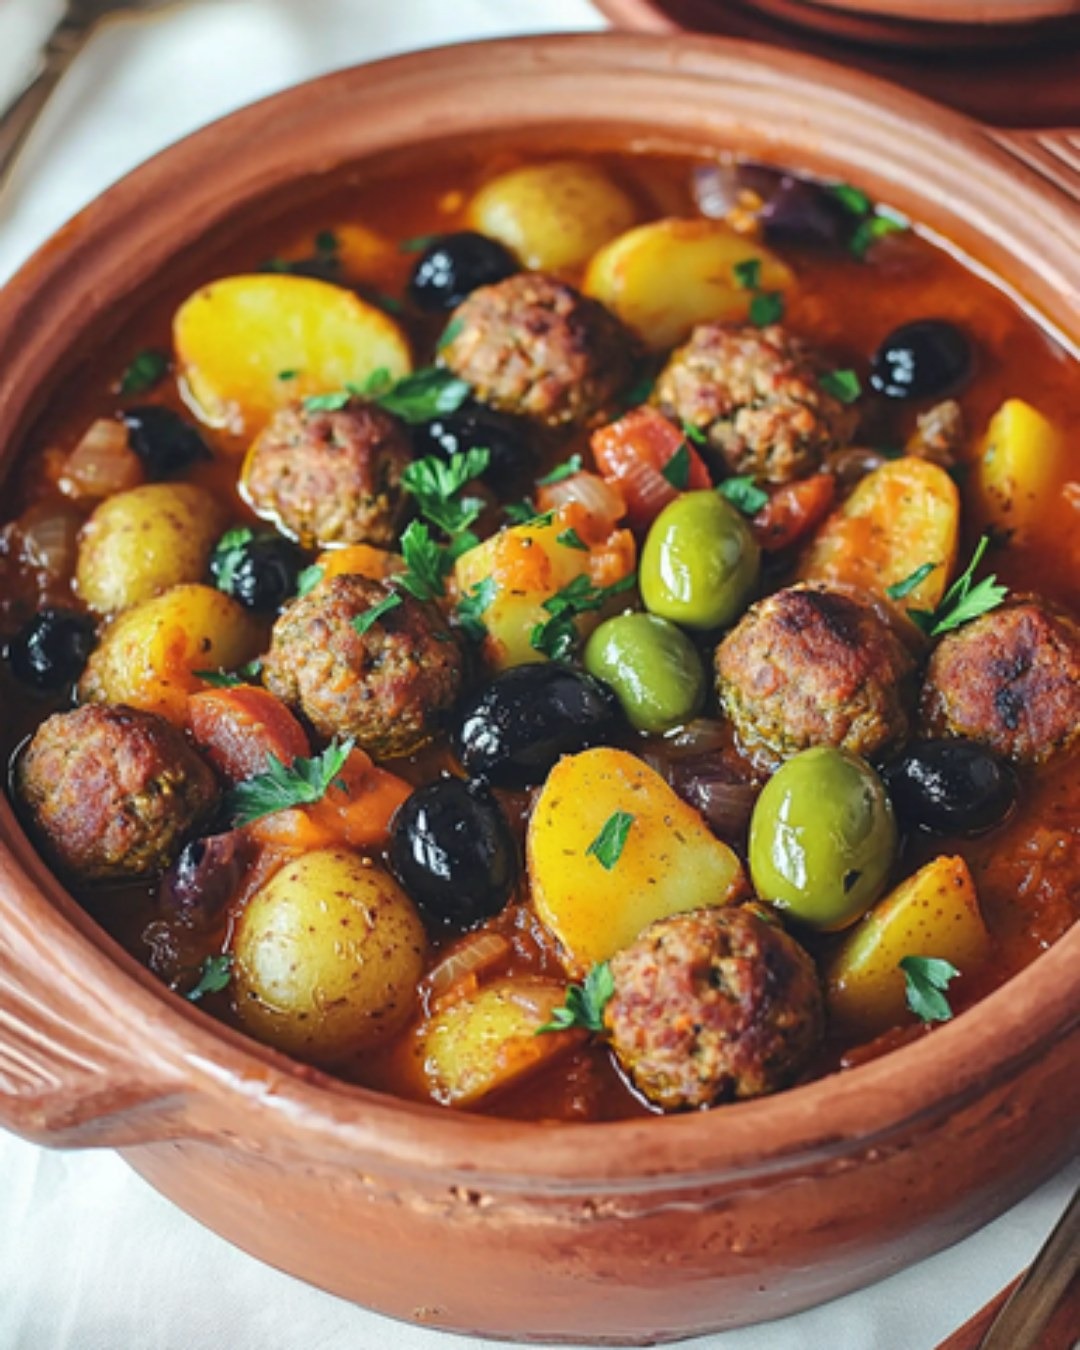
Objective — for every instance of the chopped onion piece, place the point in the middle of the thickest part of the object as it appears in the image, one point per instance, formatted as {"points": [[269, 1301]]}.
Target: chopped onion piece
{"points": [[47, 537], [102, 464], [470, 956], [600, 500]]}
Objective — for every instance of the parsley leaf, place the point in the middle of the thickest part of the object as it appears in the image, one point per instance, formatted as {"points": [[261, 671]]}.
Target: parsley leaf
{"points": [[287, 374], [224, 679], [608, 845], [872, 229], [326, 242], [147, 369], [677, 469], [694, 434], [452, 330], [371, 616], [561, 471], [472, 607], [962, 602], [841, 384], [766, 308], [638, 392], [852, 199], [517, 513], [229, 553], [327, 402], [418, 243], [926, 979], [436, 484], [571, 539], [426, 562], [585, 1003], [744, 494], [308, 579], [900, 590], [556, 637], [424, 394], [214, 976], [301, 783], [747, 274]]}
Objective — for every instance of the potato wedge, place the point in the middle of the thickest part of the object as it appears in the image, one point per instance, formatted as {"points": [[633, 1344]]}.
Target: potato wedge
{"points": [[148, 656], [247, 345], [553, 216], [899, 517], [1021, 466], [933, 913], [473, 1046], [669, 863], [663, 279]]}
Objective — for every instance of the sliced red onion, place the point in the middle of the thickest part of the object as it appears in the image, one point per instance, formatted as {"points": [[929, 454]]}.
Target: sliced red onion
{"points": [[205, 877], [725, 805]]}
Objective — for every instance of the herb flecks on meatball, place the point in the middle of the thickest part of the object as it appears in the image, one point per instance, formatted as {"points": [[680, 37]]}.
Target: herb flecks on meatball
{"points": [[815, 665], [113, 790], [1010, 680], [711, 1006], [756, 395], [534, 346], [330, 477], [385, 688]]}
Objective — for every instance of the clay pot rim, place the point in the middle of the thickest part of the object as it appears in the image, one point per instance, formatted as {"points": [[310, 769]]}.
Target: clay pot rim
{"points": [[218, 1067]]}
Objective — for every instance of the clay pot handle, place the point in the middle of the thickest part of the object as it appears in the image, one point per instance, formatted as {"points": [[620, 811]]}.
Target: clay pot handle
{"points": [[77, 1067], [1053, 154]]}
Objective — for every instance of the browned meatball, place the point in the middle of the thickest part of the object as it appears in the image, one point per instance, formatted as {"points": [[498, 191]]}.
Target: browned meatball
{"points": [[815, 665], [755, 394], [384, 688], [1010, 679], [534, 346], [713, 1005], [330, 477], [113, 790]]}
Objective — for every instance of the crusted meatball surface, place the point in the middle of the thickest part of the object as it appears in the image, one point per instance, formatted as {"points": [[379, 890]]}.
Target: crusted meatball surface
{"points": [[1011, 680], [534, 346], [756, 395], [385, 688], [113, 790], [815, 665], [713, 1005], [330, 477]]}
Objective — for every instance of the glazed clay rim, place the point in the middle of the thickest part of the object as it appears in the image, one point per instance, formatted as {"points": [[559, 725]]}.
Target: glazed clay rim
{"points": [[945, 12], [212, 1074]]}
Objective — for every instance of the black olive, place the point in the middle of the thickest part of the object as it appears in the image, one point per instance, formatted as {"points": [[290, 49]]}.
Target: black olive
{"points": [[205, 877], [805, 214], [454, 265], [921, 360], [163, 440], [49, 651], [950, 787], [261, 573], [453, 851], [513, 730], [507, 439]]}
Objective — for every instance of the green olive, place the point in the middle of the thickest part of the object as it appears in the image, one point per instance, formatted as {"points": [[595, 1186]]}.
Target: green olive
{"points": [[653, 668], [699, 566], [822, 838]]}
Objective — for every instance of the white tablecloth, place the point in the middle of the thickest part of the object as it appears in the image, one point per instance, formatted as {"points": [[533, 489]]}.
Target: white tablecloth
{"points": [[90, 1257]]}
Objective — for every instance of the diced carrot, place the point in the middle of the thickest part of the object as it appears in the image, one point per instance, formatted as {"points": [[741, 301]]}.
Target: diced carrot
{"points": [[238, 730], [360, 560], [614, 559], [793, 510], [293, 831], [634, 452]]}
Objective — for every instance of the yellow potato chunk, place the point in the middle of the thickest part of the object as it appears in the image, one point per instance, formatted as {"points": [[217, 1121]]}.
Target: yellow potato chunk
{"points": [[665, 278], [141, 542], [1021, 466], [327, 955], [933, 913], [668, 863], [901, 516], [474, 1046], [148, 656], [364, 256], [553, 216], [248, 345]]}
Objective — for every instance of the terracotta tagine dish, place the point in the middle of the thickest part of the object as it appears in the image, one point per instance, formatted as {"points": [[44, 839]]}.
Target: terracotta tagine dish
{"points": [[404, 863]]}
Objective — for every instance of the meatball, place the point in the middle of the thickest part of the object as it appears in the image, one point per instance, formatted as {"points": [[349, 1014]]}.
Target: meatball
{"points": [[815, 665], [113, 790], [1011, 680], [713, 1005], [755, 393], [384, 688], [534, 346], [330, 477]]}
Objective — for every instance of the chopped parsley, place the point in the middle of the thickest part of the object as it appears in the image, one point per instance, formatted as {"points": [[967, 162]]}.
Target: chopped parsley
{"points": [[517, 513], [744, 494], [287, 374], [639, 392], [570, 538], [308, 579], [843, 385], [926, 980], [228, 555], [677, 469], [280, 786], [224, 679], [854, 200], [963, 601], [214, 976], [765, 308], [561, 471], [747, 274], [472, 607], [326, 243], [452, 330], [416, 398], [557, 636], [585, 1003], [146, 370], [437, 483], [900, 590], [418, 243], [427, 563], [327, 402], [873, 222], [694, 434], [607, 847], [370, 617], [389, 304]]}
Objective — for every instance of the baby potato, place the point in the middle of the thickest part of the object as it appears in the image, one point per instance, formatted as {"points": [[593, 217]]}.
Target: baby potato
{"points": [[327, 955], [248, 345], [552, 216], [471, 1047], [141, 542], [1023, 463], [148, 655], [665, 278], [597, 899]]}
